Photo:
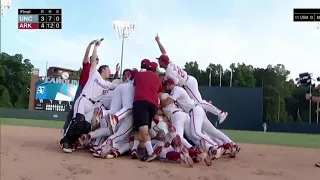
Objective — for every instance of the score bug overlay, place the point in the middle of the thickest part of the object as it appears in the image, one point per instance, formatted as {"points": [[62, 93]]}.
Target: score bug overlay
{"points": [[39, 18], [306, 15]]}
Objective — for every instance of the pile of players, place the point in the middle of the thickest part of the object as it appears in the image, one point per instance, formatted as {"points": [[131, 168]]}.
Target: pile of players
{"points": [[180, 130]]}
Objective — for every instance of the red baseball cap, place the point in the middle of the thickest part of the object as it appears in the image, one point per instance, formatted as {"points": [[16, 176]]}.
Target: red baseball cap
{"points": [[164, 58], [153, 66], [133, 72], [145, 63], [168, 82], [126, 71]]}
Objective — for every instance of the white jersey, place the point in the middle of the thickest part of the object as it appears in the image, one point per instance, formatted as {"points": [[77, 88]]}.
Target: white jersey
{"points": [[170, 108], [182, 98], [177, 74], [96, 86], [127, 93]]}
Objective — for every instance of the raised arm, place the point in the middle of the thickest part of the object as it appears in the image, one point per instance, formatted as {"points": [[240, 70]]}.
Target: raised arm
{"points": [[93, 60], [117, 75], [86, 54], [162, 50]]}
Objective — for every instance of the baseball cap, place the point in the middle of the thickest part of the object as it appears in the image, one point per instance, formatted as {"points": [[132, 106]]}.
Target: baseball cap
{"points": [[126, 71], [133, 72], [145, 63], [168, 82], [164, 58], [153, 66]]}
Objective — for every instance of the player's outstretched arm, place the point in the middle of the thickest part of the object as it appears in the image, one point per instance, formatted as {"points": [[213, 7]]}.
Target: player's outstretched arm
{"points": [[86, 54], [116, 75], [162, 49], [93, 60]]}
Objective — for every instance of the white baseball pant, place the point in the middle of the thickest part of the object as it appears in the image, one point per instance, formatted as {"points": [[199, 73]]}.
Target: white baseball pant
{"points": [[191, 86], [83, 106], [123, 130], [181, 121], [198, 116]]}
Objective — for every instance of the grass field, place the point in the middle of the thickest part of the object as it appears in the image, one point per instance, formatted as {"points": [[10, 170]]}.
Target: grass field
{"points": [[283, 139]]}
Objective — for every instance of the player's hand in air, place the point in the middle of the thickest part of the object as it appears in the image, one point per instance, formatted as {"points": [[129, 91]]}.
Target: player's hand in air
{"points": [[98, 43], [157, 38], [117, 67], [93, 42]]}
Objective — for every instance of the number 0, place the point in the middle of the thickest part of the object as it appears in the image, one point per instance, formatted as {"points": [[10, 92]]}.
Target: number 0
{"points": [[57, 18], [57, 25]]}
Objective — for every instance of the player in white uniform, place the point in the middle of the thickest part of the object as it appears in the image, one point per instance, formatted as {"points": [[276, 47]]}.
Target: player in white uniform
{"points": [[179, 119], [199, 120], [124, 119], [91, 94], [189, 83]]}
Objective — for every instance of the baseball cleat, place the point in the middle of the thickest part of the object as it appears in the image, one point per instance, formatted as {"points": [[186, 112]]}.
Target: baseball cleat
{"points": [[84, 139], [149, 158], [134, 154], [203, 155], [176, 142], [113, 153], [318, 164], [219, 153], [93, 148], [95, 120], [112, 121], [234, 150], [66, 147], [184, 156], [222, 117]]}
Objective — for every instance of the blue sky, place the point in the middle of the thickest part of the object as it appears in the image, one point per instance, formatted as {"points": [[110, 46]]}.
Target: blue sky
{"points": [[257, 32]]}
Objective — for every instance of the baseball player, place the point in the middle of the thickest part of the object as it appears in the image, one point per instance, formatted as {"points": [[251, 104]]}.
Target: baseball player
{"points": [[179, 119], [199, 120], [125, 93], [91, 94], [189, 83]]}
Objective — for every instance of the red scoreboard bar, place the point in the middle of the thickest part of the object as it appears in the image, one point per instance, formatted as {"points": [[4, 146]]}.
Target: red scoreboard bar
{"points": [[39, 18]]}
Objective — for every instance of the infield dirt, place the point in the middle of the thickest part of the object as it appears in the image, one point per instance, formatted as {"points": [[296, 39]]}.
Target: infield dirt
{"points": [[29, 153]]}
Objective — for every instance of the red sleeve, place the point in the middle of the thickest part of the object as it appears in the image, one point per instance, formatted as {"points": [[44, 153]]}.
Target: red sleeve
{"points": [[86, 65]]}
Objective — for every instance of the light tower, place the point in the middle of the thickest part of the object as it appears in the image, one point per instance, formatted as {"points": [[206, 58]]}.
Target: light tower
{"points": [[5, 4], [123, 30]]}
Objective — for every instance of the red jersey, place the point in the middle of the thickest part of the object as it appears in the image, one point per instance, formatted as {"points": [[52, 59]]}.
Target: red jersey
{"points": [[84, 74], [147, 86]]}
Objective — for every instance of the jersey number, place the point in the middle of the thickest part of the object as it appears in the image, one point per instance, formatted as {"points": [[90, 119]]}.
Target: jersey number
{"points": [[179, 71]]}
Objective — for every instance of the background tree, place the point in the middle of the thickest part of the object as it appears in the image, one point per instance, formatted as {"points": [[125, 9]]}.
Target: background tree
{"points": [[15, 74]]}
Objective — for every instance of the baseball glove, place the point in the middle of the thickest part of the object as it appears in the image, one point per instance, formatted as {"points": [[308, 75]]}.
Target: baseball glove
{"points": [[161, 135]]}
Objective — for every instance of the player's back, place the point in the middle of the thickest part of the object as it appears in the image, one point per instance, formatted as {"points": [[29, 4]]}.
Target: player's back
{"points": [[184, 101], [177, 72], [96, 86], [127, 93]]}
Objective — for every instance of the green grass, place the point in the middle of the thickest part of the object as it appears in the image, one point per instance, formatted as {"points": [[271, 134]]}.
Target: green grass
{"points": [[283, 139]]}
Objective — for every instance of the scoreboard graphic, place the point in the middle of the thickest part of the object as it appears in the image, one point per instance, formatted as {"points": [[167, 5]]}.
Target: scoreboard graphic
{"points": [[306, 15], [39, 18]]}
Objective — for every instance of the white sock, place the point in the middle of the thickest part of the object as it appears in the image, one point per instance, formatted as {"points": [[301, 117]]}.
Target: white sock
{"points": [[148, 146], [136, 144]]}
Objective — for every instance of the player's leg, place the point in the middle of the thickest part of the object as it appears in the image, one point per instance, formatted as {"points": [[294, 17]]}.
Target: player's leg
{"points": [[191, 87], [70, 113], [197, 118], [118, 149], [216, 133], [124, 130], [77, 127], [178, 120]]}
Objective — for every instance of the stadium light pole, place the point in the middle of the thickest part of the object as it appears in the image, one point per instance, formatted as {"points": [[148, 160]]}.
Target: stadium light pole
{"points": [[5, 4], [123, 31]]}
